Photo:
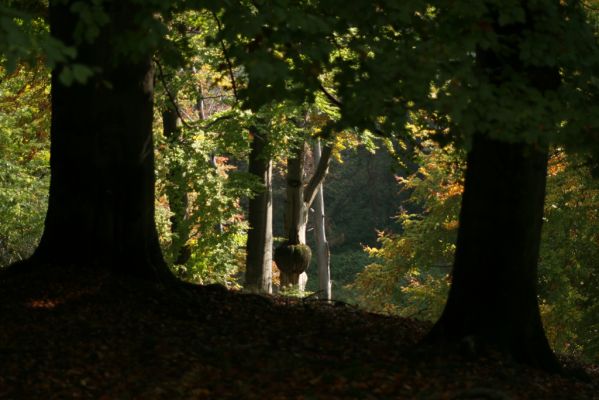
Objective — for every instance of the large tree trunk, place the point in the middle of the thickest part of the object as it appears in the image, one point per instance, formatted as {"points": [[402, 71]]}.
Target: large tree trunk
{"points": [[323, 255], [258, 270], [493, 298], [101, 205]]}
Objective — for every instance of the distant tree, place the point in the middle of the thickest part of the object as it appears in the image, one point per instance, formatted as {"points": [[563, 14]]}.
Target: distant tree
{"points": [[176, 190], [258, 268], [203, 139], [293, 256], [323, 255]]}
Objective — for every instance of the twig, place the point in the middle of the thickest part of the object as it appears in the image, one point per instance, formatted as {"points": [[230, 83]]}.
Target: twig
{"points": [[329, 96], [220, 96], [227, 59], [169, 94], [339, 104], [222, 118], [336, 303]]}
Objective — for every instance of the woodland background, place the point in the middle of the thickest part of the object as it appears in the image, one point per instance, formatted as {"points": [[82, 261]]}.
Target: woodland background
{"points": [[394, 188], [391, 216]]}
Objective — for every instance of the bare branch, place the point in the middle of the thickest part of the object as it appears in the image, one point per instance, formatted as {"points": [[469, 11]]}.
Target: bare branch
{"points": [[169, 94], [329, 96]]}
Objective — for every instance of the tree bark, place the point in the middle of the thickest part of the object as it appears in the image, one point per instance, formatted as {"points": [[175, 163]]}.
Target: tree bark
{"points": [[258, 272], [300, 197], [323, 256], [101, 204], [296, 216], [493, 298]]}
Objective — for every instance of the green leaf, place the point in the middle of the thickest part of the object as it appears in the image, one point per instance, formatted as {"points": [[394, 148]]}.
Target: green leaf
{"points": [[81, 73]]}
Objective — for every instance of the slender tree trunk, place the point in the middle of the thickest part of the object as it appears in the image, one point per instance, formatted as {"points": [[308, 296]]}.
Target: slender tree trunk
{"points": [[101, 204], [176, 190], [201, 107], [258, 272], [323, 256], [493, 297]]}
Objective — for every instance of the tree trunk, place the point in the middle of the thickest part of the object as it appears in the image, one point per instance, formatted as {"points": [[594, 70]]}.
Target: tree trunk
{"points": [[296, 218], [201, 107], [176, 190], [258, 272], [101, 204], [296, 215], [493, 298], [323, 256], [294, 255]]}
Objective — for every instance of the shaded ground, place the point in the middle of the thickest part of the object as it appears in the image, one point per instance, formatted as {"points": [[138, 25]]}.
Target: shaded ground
{"points": [[86, 335]]}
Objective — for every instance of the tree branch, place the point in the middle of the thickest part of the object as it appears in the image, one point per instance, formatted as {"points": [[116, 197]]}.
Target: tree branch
{"points": [[329, 96], [227, 59], [217, 120], [339, 104], [169, 94], [319, 174]]}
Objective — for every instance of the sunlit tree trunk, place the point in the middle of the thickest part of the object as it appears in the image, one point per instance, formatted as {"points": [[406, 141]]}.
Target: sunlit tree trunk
{"points": [[176, 189], [293, 256], [323, 256], [101, 203], [258, 273], [296, 220], [201, 108]]}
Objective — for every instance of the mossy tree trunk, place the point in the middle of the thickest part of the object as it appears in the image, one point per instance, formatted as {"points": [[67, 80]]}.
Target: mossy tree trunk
{"points": [[296, 221], [293, 256]]}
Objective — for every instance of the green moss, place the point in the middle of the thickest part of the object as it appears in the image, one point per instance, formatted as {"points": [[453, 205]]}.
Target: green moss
{"points": [[293, 258]]}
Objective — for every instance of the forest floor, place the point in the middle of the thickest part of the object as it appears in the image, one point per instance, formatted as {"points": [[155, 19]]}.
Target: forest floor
{"points": [[82, 334]]}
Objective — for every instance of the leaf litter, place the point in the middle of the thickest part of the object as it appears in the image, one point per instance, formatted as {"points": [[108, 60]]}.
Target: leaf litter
{"points": [[80, 333]]}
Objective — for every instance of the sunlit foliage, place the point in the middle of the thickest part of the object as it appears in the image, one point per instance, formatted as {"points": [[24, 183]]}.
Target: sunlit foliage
{"points": [[24, 159]]}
